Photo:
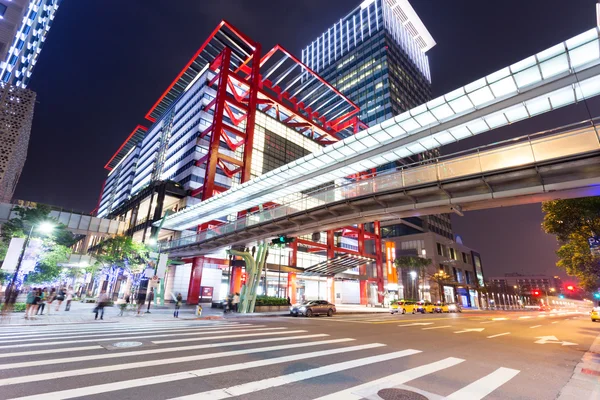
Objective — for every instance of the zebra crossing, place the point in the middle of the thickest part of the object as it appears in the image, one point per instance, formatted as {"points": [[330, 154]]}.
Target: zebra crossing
{"points": [[194, 360]]}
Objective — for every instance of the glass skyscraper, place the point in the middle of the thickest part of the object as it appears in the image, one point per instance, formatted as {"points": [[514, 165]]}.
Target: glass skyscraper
{"points": [[376, 55]]}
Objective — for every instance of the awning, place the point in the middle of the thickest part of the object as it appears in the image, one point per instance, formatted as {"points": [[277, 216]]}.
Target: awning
{"points": [[336, 265]]}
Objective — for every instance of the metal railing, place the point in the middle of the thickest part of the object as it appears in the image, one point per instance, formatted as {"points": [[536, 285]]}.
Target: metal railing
{"points": [[522, 151]]}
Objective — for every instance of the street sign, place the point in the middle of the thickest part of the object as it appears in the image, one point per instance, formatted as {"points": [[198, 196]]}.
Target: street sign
{"points": [[594, 243]]}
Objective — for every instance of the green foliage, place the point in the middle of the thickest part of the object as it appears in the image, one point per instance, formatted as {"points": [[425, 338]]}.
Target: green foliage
{"points": [[573, 221], [18, 307], [270, 301], [122, 251]]}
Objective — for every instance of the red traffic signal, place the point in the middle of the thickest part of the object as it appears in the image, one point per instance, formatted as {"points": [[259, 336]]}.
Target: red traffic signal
{"points": [[570, 287], [536, 292], [243, 278]]}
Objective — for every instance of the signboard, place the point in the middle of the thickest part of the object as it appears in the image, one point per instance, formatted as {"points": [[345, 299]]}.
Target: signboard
{"points": [[32, 254], [390, 256], [162, 264], [594, 243], [12, 254]]}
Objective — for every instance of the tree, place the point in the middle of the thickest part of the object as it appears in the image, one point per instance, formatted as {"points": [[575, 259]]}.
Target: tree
{"points": [[573, 221], [56, 245], [417, 265], [440, 278]]}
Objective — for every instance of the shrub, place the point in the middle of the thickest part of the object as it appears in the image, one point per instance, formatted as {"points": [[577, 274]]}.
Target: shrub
{"points": [[19, 307], [270, 301]]}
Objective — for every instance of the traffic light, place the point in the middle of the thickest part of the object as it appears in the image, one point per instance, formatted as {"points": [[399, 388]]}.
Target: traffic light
{"points": [[571, 288], [561, 296], [243, 278], [282, 240], [536, 292], [597, 295]]}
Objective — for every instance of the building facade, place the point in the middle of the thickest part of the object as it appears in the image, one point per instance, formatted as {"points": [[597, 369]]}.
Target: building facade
{"points": [[24, 25]]}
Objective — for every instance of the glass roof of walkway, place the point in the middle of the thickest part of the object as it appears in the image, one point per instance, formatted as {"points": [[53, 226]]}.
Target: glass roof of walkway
{"points": [[556, 77]]}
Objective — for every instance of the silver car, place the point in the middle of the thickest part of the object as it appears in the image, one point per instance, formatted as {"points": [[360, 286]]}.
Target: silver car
{"points": [[313, 307]]}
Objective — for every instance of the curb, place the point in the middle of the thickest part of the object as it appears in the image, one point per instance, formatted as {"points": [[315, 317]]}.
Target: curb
{"points": [[584, 383]]}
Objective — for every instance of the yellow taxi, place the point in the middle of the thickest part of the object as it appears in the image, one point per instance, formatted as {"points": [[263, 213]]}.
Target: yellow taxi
{"points": [[441, 307], [595, 314], [425, 306], [402, 306]]}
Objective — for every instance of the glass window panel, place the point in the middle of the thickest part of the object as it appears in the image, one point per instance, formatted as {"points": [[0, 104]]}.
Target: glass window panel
{"points": [[459, 167], [477, 126], [382, 136], [588, 88], [582, 38], [496, 120], [455, 94], [562, 97], [379, 160], [435, 102], [504, 87], [357, 146], [506, 157], [585, 54], [471, 87], [418, 175], [402, 152], [554, 66], [523, 64], [444, 137], [416, 148], [461, 104], [581, 141], [528, 77], [442, 112], [429, 143], [551, 52], [369, 142], [460, 132], [498, 75], [390, 156], [402, 117], [516, 113], [374, 129], [481, 96], [418, 110], [346, 151], [538, 105], [425, 119], [395, 131], [410, 125]]}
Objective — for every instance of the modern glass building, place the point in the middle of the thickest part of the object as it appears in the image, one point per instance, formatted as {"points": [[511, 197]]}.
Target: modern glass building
{"points": [[376, 55]]}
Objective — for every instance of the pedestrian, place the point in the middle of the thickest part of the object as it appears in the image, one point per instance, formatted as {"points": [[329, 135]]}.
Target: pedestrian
{"points": [[100, 304], [150, 297], [69, 298], [29, 302], [289, 301], [141, 296], [236, 301], [42, 302], [60, 297], [178, 302]]}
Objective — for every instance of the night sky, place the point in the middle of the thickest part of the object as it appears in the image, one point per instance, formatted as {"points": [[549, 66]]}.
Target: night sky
{"points": [[106, 62]]}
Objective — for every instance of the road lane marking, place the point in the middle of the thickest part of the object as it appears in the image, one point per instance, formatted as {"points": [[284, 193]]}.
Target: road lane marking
{"points": [[500, 334], [484, 386], [470, 330], [194, 374], [256, 386], [418, 324], [164, 361], [119, 331], [499, 319], [371, 388], [535, 326], [555, 322], [437, 327], [196, 339], [155, 351], [51, 351], [525, 317], [133, 337], [486, 322]]}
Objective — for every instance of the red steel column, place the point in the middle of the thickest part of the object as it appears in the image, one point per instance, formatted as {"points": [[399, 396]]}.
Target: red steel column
{"points": [[291, 286], [330, 245], [379, 261], [235, 285], [215, 138], [195, 280], [364, 283], [251, 118]]}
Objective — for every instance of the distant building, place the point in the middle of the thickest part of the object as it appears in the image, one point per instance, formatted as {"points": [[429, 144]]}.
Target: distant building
{"points": [[525, 284], [24, 25]]}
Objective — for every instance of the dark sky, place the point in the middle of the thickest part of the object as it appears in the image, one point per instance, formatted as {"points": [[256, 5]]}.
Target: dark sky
{"points": [[106, 62]]}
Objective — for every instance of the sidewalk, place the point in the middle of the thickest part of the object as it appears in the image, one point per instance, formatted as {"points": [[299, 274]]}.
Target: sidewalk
{"points": [[585, 382]]}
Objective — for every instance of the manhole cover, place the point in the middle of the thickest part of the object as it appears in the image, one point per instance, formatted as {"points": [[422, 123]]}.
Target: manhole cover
{"points": [[400, 394], [127, 344]]}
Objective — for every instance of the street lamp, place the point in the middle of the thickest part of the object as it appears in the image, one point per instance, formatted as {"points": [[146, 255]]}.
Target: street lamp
{"points": [[45, 228]]}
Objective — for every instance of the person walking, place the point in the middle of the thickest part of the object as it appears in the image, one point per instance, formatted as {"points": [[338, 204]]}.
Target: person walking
{"points": [[50, 298], [60, 297], [178, 302], [236, 301], [69, 298], [100, 304], [42, 302], [141, 296], [29, 302], [150, 297]]}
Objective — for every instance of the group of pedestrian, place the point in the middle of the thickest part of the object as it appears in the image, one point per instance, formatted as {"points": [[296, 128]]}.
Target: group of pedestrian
{"points": [[232, 303], [37, 298]]}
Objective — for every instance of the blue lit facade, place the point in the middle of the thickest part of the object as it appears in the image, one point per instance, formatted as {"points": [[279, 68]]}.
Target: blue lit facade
{"points": [[24, 25], [375, 55]]}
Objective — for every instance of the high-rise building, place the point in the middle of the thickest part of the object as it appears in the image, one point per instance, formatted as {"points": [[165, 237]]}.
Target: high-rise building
{"points": [[376, 55], [24, 25]]}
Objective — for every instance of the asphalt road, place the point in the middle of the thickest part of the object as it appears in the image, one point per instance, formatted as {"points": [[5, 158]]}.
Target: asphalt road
{"points": [[492, 355]]}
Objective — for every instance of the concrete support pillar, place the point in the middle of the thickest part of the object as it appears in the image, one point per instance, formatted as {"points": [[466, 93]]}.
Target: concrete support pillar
{"points": [[331, 290], [195, 280]]}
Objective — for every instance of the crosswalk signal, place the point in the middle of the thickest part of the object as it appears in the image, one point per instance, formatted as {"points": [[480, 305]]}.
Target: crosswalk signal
{"points": [[536, 292], [282, 240], [243, 278]]}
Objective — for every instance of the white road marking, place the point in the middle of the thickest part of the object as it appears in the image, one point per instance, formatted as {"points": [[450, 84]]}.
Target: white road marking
{"points": [[51, 351], [499, 319], [555, 322], [370, 388], [133, 337], [153, 363], [535, 326], [418, 324], [128, 331], [257, 386], [486, 322], [155, 351], [526, 317], [196, 339], [178, 376], [500, 334], [471, 330], [484, 386], [437, 327]]}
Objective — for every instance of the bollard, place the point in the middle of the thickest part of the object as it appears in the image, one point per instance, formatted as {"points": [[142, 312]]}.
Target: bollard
{"points": [[198, 310]]}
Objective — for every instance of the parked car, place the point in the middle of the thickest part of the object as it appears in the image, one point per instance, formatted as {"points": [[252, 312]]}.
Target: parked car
{"points": [[595, 314], [313, 307], [403, 306], [454, 307], [425, 306], [441, 307]]}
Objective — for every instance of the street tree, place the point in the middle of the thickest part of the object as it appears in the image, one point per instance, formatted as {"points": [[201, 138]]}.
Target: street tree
{"points": [[418, 265], [440, 277], [573, 221]]}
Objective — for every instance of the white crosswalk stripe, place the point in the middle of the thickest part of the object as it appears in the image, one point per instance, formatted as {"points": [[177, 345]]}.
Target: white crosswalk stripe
{"points": [[256, 347]]}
